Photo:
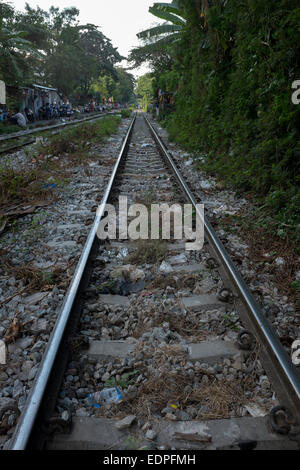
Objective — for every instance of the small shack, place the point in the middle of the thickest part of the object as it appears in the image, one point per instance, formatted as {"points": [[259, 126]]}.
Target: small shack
{"points": [[38, 95], [33, 97]]}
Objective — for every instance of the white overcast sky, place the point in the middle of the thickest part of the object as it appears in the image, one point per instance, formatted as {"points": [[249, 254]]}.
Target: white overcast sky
{"points": [[119, 20]]}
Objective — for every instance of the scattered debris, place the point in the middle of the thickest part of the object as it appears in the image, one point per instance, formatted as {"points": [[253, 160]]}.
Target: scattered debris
{"points": [[126, 422], [130, 273], [21, 209], [165, 268], [13, 331], [193, 437], [151, 435], [123, 253], [2, 353], [179, 259], [105, 397], [256, 411]]}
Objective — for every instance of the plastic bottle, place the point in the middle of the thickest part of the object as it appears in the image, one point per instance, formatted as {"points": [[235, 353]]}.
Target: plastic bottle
{"points": [[105, 397]]}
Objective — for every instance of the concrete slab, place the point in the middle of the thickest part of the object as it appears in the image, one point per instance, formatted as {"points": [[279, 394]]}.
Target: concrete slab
{"points": [[64, 245], [225, 434], [102, 434], [107, 349], [114, 300], [90, 434], [83, 213], [208, 351], [190, 268], [211, 351], [199, 303], [70, 227], [177, 246]]}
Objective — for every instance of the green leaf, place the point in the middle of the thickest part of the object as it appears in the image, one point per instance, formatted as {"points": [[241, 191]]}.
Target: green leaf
{"points": [[167, 16], [168, 7], [158, 30]]}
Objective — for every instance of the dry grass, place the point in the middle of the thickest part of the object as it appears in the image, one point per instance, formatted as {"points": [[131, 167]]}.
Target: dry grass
{"points": [[261, 243], [35, 279], [220, 397], [187, 281], [148, 252], [187, 327], [21, 185]]}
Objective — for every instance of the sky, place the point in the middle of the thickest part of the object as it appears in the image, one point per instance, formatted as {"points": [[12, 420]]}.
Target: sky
{"points": [[119, 20]]}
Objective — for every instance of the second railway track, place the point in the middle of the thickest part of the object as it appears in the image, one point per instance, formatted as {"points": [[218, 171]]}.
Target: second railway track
{"points": [[54, 127], [177, 332]]}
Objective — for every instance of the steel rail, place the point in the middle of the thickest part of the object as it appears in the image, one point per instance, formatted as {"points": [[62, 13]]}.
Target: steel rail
{"points": [[25, 426], [17, 146], [44, 129], [281, 361], [55, 126]]}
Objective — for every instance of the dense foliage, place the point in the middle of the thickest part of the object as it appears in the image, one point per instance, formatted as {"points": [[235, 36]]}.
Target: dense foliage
{"points": [[52, 48], [120, 88], [144, 90], [232, 71]]}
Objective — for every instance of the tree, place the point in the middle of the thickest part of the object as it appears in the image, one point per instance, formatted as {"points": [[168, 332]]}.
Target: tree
{"points": [[80, 54], [121, 88], [124, 87], [98, 56], [157, 50], [175, 22], [232, 65], [145, 89], [72, 56], [15, 49]]}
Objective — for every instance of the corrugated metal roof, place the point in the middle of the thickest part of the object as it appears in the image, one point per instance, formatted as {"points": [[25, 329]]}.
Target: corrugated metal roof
{"points": [[44, 87]]}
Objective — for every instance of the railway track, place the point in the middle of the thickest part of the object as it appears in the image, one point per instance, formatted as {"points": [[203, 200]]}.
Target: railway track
{"points": [[177, 332], [23, 135]]}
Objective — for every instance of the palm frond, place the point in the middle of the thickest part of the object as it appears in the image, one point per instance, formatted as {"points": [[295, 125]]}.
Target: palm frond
{"points": [[159, 30], [169, 8], [167, 16]]}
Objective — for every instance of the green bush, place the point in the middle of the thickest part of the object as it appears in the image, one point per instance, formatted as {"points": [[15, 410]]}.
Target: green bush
{"points": [[125, 113], [8, 128], [76, 139], [233, 102]]}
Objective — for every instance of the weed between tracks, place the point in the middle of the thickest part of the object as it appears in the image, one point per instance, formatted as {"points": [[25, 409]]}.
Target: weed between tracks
{"points": [[188, 327], [148, 252], [213, 399], [187, 281], [217, 398]]}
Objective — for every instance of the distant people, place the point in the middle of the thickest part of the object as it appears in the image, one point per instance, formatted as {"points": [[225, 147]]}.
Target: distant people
{"points": [[4, 115], [42, 112], [157, 109], [48, 113], [29, 115], [19, 119], [56, 113]]}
